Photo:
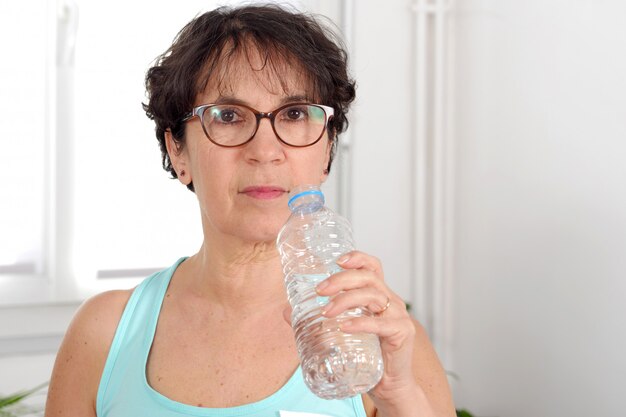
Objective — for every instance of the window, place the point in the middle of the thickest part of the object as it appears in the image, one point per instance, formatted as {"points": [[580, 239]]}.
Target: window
{"points": [[23, 97], [85, 204]]}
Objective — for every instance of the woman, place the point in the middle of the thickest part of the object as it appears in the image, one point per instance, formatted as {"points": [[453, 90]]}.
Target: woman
{"points": [[210, 335]]}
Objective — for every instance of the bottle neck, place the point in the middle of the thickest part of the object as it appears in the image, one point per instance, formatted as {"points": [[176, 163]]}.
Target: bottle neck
{"points": [[306, 199]]}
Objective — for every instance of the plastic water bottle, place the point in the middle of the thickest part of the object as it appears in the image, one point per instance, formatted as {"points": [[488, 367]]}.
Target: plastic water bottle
{"points": [[334, 364]]}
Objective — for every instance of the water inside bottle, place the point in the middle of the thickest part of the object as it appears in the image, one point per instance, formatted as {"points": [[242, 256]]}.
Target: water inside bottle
{"points": [[334, 364]]}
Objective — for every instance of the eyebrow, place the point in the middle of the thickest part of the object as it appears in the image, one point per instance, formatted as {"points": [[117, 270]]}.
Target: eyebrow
{"points": [[297, 98]]}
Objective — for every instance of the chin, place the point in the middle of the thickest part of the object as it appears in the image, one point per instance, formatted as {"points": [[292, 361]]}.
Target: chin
{"points": [[263, 230]]}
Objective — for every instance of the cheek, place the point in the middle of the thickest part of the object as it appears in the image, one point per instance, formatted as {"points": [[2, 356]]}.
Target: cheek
{"points": [[309, 166], [213, 174], [211, 161]]}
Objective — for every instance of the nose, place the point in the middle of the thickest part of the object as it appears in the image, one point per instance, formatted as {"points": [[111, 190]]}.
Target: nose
{"points": [[264, 146]]}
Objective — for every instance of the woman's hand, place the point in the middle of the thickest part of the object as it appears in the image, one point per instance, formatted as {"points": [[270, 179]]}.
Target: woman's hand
{"points": [[362, 284], [413, 382]]}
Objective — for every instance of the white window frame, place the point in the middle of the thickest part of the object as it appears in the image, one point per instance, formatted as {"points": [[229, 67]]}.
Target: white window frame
{"points": [[58, 284]]}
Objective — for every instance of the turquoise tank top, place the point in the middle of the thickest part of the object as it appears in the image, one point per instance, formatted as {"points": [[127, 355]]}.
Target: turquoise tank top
{"points": [[124, 389]]}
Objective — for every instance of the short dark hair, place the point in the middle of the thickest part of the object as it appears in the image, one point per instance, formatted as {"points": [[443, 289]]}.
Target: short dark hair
{"points": [[281, 36]]}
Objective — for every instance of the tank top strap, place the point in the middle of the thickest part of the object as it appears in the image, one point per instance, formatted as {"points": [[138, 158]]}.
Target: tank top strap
{"points": [[133, 338]]}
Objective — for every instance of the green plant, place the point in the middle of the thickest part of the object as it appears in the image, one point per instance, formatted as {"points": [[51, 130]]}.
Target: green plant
{"points": [[12, 405]]}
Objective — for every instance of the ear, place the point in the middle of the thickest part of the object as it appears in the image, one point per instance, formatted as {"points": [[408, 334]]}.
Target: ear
{"points": [[178, 156], [329, 148]]}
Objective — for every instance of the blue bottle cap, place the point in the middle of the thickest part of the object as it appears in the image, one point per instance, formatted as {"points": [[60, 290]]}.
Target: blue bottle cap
{"points": [[303, 191]]}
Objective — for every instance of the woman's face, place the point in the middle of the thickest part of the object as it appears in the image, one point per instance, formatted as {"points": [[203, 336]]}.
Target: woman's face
{"points": [[242, 191]]}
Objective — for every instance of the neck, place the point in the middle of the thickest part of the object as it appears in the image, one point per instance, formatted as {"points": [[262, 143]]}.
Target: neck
{"points": [[240, 277]]}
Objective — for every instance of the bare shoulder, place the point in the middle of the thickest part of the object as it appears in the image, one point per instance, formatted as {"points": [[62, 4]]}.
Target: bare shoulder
{"points": [[94, 324], [83, 353], [99, 315]]}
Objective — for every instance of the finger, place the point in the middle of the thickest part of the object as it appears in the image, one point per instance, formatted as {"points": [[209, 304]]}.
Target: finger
{"points": [[368, 297], [349, 280], [361, 260], [394, 331]]}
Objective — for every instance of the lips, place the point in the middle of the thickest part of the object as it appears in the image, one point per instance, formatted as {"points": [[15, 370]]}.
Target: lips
{"points": [[264, 192]]}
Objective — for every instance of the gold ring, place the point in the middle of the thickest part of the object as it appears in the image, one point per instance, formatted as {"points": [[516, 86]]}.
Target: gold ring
{"points": [[385, 307]]}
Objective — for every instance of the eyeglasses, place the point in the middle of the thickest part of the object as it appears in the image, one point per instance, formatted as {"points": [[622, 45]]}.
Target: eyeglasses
{"points": [[230, 125]]}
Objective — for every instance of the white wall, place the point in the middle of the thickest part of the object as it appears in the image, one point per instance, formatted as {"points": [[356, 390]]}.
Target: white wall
{"points": [[541, 207], [29, 338], [381, 122]]}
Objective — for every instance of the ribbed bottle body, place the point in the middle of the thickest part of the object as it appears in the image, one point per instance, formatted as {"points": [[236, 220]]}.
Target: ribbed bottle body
{"points": [[334, 364]]}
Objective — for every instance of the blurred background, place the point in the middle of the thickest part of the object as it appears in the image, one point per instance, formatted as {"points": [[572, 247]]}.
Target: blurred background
{"points": [[484, 164]]}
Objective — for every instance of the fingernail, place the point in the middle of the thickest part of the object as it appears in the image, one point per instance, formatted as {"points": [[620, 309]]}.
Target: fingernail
{"points": [[345, 324], [321, 286], [343, 259]]}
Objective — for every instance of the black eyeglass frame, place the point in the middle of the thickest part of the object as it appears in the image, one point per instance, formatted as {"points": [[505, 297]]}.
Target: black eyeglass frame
{"points": [[198, 111]]}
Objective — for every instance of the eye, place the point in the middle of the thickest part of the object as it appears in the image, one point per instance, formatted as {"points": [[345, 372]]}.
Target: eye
{"points": [[227, 115], [295, 114]]}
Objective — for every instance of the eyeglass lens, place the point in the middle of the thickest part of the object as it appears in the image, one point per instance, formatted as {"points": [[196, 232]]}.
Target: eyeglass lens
{"points": [[232, 125]]}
